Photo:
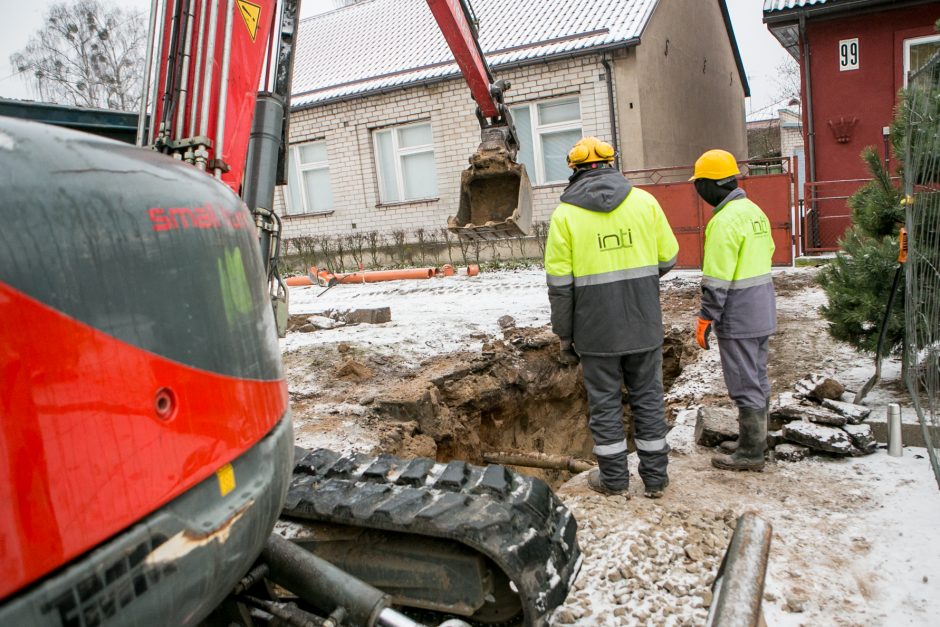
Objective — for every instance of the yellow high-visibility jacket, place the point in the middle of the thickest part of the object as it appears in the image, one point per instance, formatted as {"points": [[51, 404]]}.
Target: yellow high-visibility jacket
{"points": [[737, 288], [608, 244]]}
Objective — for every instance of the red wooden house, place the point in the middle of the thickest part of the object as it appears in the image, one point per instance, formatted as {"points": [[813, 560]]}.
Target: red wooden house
{"points": [[854, 55]]}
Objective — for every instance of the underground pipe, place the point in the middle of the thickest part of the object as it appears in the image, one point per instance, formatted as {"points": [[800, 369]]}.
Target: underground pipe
{"points": [[739, 584], [539, 460]]}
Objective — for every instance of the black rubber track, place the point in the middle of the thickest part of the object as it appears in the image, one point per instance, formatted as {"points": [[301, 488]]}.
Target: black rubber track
{"points": [[515, 520]]}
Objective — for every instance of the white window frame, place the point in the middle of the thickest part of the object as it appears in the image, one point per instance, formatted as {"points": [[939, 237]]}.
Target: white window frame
{"points": [[301, 168], [908, 44], [400, 152], [539, 129]]}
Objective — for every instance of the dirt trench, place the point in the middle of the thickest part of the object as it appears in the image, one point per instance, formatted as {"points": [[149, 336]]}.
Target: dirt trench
{"points": [[514, 397]]}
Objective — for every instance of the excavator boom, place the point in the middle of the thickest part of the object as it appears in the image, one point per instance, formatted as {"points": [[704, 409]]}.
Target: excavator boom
{"points": [[495, 193]]}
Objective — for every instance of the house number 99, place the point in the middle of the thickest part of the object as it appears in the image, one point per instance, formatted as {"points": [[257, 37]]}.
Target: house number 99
{"points": [[848, 54]]}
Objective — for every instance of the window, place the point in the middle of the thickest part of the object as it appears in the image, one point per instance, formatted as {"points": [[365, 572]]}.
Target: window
{"points": [[547, 131], [404, 156], [917, 52], [308, 179]]}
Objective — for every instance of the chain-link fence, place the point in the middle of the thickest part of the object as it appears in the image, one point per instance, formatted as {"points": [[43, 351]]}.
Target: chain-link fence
{"points": [[922, 303]]}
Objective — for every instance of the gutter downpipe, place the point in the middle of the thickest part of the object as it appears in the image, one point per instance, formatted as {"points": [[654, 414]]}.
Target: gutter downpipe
{"points": [[810, 130], [810, 127], [613, 112]]}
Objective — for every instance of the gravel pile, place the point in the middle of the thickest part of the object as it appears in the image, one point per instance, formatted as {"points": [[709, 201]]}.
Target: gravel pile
{"points": [[652, 567]]}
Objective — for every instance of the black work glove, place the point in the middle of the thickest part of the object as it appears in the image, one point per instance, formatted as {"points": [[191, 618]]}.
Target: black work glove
{"points": [[567, 355]]}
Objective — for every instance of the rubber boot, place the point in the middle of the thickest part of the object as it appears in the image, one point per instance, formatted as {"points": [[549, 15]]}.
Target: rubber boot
{"points": [[752, 442]]}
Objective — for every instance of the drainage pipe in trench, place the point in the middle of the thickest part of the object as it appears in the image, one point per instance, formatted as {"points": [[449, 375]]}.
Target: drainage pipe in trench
{"points": [[539, 460]]}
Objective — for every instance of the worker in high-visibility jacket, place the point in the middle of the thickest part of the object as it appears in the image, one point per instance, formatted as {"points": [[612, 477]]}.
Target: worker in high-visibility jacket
{"points": [[738, 301], [608, 244]]}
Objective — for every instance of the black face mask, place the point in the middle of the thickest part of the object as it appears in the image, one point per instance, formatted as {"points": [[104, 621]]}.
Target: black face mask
{"points": [[713, 193]]}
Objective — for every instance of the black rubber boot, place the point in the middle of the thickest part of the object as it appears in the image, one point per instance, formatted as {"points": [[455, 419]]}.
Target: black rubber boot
{"points": [[752, 442]]}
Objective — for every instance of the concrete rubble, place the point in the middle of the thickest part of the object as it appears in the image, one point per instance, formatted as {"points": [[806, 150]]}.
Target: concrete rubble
{"points": [[808, 420], [806, 410], [854, 414], [331, 319], [862, 437], [714, 425], [819, 387], [788, 452], [819, 437]]}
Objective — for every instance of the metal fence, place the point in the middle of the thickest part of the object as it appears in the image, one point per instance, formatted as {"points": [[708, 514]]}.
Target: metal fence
{"points": [[922, 301]]}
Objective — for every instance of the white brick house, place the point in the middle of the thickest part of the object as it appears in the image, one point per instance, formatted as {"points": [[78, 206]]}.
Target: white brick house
{"points": [[382, 123]]}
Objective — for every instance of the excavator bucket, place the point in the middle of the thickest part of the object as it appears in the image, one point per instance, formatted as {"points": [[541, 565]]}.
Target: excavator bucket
{"points": [[495, 194]]}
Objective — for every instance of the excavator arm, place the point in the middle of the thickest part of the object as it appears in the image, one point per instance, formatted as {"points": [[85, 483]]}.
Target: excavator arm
{"points": [[458, 24], [495, 194]]}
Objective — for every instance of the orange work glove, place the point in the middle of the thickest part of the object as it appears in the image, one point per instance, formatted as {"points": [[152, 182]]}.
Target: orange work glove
{"points": [[702, 331]]}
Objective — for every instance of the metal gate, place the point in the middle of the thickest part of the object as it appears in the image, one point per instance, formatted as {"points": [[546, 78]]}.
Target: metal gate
{"points": [[769, 183], [922, 218]]}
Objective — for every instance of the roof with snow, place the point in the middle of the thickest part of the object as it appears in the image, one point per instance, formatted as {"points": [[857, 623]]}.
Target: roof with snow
{"points": [[781, 16], [785, 9], [380, 45], [782, 5]]}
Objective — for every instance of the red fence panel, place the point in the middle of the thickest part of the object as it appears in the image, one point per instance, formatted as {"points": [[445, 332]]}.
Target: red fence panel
{"points": [[770, 184], [683, 208], [772, 194]]}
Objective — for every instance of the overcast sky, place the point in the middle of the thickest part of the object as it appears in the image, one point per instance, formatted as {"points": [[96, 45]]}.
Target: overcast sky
{"points": [[760, 51]]}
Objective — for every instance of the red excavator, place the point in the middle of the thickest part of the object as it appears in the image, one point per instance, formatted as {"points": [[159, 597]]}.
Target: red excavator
{"points": [[147, 449]]}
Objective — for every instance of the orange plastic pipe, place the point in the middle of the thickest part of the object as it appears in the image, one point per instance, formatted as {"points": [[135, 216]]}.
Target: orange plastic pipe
{"points": [[297, 281], [375, 276]]}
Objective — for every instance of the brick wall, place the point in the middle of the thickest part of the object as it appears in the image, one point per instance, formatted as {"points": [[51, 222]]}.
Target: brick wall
{"points": [[347, 129], [791, 132]]}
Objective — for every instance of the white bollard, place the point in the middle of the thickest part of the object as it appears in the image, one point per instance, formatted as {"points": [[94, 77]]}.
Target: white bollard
{"points": [[894, 431]]}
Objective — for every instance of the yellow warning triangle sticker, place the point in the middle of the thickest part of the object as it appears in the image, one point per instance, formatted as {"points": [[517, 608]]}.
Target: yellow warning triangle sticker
{"points": [[251, 14]]}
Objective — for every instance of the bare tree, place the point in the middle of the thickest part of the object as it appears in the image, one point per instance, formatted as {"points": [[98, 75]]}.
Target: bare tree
{"points": [[88, 54], [788, 80]]}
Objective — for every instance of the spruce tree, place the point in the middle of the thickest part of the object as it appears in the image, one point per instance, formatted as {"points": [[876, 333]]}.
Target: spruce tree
{"points": [[858, 281]]}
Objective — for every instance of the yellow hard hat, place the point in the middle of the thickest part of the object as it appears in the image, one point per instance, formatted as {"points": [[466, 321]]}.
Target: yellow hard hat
{"points": [[716, 165], [589, 150]]}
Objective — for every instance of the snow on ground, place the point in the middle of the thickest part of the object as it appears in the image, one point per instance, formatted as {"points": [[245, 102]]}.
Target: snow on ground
{"points": [[889, 569], [429, 317], [855, 541]]}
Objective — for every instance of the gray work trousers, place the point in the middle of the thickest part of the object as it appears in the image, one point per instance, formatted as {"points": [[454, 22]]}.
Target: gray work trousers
{"points": [[642, 373], [744, 365]]}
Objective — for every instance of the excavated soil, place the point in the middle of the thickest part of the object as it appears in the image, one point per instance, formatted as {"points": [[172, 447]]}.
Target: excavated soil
{"points": [[514, 396]]}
